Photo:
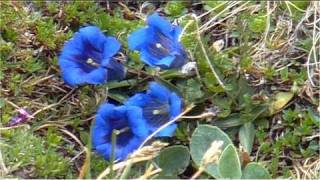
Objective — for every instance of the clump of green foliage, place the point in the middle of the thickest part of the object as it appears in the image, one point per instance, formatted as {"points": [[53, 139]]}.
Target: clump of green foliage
{"points": [[255, 85], [24, 150]]}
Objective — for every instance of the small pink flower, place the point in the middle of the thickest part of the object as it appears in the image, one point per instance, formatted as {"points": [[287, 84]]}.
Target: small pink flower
{"points": [[22, 117]]}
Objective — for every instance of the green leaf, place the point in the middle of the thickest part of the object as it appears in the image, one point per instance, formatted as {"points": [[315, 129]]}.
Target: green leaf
{"points": [[120, 84], [255, 112], [229, 163], [211, 83], [246, 136], [201, 141], [237, 119], [313, 116], [255, 171], [117, 95], [85, 137], [1, 102], [171, 73], [299, 4], [224, 104], [191, 90], [279, 101], [175, 8], [190, 25], [231, 121], [258, 23], [218, 5], [173, 160], [242, 88]]}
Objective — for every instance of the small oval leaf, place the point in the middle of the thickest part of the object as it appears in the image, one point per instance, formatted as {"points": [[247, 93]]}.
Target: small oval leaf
{"points": [[229, 163], [255, 171], [246, 136], [201, 141], [280, 100], [173, 160]]}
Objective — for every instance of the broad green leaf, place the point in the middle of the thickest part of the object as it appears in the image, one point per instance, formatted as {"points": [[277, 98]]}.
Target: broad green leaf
{"points": [[255, 171], [171, 73], [191, 90], [229, 163], [201, 141], [237, 119], [230, 121], [224, 104], [117, 95], [246, 136], [313, 116], [173, 160], [279, 101], [256, 111], [241, 88]]}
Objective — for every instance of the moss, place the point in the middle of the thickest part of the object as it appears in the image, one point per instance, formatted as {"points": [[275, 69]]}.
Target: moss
{"points": [[252, 70], [24, 149]]}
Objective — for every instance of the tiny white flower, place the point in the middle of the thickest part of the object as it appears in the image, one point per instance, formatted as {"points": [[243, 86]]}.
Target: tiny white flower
{"points": [[189, 68], [218, 45]]}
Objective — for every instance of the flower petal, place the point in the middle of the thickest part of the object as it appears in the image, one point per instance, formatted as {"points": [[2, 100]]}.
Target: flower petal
{"points": [[176, 33], [92, 36], [111, 47], [148, 58], [136, 121], [160, 24], [139, 99], [116, 70], [74, 76], [100, 130], [104, 149], [166, 62], [133, 143], [158, 91], [96, 76], [138, 38], [175, 105], [121, 152], [106, 110], [73, 47]]}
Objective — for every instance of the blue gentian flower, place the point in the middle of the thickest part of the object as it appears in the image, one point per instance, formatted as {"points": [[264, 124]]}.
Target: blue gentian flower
{"points": [[159, 105], [87, 58], [158, 43], [128, 120]]}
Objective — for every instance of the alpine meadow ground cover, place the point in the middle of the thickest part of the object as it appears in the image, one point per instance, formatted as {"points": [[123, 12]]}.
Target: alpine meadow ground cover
{"points": [[161, 90]]}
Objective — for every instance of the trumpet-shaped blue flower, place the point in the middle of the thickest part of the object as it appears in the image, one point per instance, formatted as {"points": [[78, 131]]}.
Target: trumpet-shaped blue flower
{"points": [[159, 105], [158, 43], [87, 58], [129, 122]]}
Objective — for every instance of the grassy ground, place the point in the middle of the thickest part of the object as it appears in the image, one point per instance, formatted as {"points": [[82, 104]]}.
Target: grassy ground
{"points": [[258, 65]]}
